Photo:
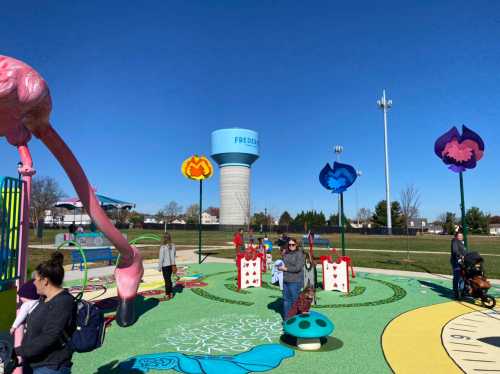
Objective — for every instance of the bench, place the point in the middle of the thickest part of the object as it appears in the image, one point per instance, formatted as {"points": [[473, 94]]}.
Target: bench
{"points": [[92, 255]]}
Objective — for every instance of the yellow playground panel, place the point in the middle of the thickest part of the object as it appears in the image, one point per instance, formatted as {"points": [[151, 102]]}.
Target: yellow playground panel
{"points": [[10, 225]]}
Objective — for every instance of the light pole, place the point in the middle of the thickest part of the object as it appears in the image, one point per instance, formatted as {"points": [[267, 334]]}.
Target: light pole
{"points": [[358, 173], [385, 104], [338, 150]]}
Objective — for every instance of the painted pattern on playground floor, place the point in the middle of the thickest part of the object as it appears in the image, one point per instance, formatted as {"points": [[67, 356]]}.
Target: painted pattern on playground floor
{"points": [[324, 298], [180, 325], [472, 340], [450, 338], [257, 359], [227, 333]]}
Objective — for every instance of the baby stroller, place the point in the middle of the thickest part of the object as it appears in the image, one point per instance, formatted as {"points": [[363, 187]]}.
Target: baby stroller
{"points": [[475, 284]]}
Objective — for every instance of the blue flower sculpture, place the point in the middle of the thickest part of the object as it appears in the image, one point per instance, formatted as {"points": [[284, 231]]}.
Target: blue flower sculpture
{"points": [[338, 179]]}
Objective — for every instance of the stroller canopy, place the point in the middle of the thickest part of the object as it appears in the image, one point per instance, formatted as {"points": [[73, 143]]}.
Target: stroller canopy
{"points": [[471, 258]]}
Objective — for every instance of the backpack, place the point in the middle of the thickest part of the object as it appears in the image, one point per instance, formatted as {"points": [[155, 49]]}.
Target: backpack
{"points": [[89, 326]]}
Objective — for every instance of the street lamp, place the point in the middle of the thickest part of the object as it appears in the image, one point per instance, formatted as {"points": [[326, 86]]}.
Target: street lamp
{"points": [[338, 150], [385, 104], [358, 173]]}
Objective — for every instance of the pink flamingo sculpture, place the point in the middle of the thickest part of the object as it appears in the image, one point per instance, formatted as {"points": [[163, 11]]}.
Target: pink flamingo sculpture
{"points": [[25, 106]]}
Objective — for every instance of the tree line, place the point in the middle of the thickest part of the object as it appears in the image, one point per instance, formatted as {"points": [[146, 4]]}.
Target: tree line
{"points": [[46, 192]]}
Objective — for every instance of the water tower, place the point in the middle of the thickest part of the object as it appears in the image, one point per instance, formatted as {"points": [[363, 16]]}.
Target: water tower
{"points": [[235, 150]]}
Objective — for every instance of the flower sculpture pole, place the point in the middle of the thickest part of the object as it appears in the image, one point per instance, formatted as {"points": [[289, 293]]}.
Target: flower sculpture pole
{"points": [[338, 179], [461, 152], [198, 168]]}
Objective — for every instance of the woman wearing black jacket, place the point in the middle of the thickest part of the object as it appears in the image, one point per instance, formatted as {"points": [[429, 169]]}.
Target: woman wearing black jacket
{"points": [[43, 349], [458, 251]]}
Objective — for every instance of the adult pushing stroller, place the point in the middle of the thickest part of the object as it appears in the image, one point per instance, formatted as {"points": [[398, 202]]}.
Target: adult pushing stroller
{"points": [[475, 284]]}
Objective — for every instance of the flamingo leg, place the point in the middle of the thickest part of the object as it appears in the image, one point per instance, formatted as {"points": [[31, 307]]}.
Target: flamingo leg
{"points": [[129, 271], [27, 171]]}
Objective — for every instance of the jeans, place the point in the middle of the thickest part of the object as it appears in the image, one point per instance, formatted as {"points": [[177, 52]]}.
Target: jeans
{"points": [[457, 278], [291, 292], [167, 277], [46, 370]]}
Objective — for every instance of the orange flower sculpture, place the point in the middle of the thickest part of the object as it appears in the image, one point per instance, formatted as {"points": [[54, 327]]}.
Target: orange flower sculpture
{"points": [[197, 168]]}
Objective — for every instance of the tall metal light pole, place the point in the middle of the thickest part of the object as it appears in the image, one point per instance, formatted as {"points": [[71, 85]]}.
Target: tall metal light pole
{"points": [[338, 150], [385, 104], [358, 173]]}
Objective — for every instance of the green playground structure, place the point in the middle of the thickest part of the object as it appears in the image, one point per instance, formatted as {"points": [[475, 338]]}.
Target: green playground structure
{"points": [[11, 193]]}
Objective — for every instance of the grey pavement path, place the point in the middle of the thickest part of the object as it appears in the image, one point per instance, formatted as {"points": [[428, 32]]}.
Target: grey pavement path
{"points": [[181, 246], [182, 258], [190, 257]]}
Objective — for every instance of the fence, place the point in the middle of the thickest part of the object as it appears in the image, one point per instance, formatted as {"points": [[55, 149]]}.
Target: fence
{"points": [[287, 229]]}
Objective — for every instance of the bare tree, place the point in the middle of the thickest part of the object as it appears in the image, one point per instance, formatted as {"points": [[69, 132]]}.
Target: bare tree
{"points": [[45, 192], [118, 216], [410, 203], [160, 216], [172, 211], [193, 213], [364, 215]]}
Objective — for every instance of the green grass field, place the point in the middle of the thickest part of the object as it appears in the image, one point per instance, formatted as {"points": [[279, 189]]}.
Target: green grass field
{"points": [[434, 263]]}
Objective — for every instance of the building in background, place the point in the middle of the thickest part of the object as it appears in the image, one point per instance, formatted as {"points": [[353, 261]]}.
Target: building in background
{"points": [[235, 150], [494, 229], [207, 219]]}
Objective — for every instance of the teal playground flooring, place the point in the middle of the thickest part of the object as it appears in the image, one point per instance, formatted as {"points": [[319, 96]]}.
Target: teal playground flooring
{"points": [[216, 320]]}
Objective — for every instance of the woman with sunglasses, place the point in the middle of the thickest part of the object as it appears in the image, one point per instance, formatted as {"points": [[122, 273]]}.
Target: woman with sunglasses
{"points": [[293, 275]]}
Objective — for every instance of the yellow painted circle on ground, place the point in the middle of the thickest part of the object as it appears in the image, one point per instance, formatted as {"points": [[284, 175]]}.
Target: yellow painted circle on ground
{"points": [[412, 342]]}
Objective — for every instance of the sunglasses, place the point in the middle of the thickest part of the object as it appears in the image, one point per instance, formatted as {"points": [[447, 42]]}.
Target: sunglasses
{"points": [[292, 244]]}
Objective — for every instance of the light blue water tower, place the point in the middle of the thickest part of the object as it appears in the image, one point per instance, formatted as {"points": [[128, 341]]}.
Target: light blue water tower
{"points": [[235, 150]]}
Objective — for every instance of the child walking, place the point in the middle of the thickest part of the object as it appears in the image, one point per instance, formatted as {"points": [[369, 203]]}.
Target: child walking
{"points": [[166, 264]]}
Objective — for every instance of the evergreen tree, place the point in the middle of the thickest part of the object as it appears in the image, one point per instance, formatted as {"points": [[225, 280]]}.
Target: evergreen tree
{"points": [[285, 219], [380, 215], [477, 221], [448, 222]]}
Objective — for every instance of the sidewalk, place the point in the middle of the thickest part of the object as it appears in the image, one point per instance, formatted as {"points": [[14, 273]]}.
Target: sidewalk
{"points": [[190, 257], [182, 258]]}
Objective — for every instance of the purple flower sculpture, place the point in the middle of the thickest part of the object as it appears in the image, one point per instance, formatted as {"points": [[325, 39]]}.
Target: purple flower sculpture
{"points": [[338, 179], [461, 152]]}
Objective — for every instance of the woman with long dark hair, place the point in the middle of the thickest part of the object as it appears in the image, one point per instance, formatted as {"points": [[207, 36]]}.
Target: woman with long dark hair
{"points": [[43, 348], [293, 275]]}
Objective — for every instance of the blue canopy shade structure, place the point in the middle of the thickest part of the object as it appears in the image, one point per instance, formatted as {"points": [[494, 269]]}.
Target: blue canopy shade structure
{"points": [[107, 203]]}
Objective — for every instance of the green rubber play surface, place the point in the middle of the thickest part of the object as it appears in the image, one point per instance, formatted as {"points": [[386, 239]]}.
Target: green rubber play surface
{"points": [[218, 320]]}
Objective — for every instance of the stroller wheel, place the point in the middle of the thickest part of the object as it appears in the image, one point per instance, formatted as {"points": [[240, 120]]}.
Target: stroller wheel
{"points": [[488, 301]]}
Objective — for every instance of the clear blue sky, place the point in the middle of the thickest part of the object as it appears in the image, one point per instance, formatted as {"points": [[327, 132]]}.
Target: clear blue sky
{"points": [[139, 86]]}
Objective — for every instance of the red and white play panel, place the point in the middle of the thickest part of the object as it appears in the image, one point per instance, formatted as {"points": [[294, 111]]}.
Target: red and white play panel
{"points": [[249, 270], [336, 273]]}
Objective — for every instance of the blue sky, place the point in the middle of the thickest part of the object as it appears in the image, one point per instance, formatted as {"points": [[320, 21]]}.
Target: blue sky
{"points": [[139, 86]]}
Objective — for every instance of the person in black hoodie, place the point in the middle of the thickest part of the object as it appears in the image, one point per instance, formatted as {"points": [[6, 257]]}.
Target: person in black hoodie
{"points": [[458, 252], [43, 348]]}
